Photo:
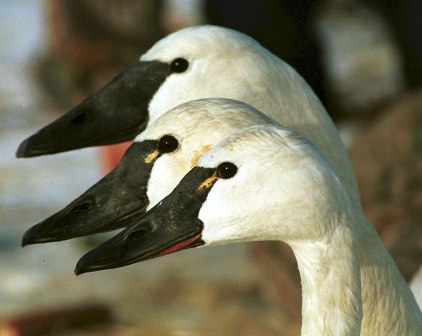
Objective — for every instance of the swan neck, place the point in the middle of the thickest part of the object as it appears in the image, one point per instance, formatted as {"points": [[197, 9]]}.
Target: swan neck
{"points": [[330, 276], [389, 307]]}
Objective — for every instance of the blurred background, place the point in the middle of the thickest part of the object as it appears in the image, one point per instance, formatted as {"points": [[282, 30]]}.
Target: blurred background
{"points": [[363, 59]]}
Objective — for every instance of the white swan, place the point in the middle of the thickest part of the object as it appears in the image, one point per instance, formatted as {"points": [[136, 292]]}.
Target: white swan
{"points": [[270, 183], [193, 63]]}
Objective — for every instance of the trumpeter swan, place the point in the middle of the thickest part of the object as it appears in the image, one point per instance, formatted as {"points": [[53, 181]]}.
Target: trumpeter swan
{"points": [[271, 183]]}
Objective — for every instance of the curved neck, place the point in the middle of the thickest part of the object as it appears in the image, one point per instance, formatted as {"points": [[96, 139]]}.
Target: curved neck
{"points": [[389, 307], [330, 276]]}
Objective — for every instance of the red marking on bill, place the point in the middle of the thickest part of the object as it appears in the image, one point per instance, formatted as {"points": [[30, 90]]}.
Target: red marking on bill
{"points": [[179, 246]]}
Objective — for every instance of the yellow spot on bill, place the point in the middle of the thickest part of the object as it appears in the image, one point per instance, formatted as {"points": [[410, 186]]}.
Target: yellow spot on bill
{"points": [[151, 157], [197, 154], [208, 182]]}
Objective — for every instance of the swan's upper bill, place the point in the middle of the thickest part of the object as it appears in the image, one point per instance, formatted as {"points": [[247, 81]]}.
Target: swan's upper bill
{"points": [[108, 205], [150, 168], [116, 113]]}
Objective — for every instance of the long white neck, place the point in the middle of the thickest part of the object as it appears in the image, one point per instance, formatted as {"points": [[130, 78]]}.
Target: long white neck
{"points": [[331, 293], [389, 307], [334, 276], [338, 285]]}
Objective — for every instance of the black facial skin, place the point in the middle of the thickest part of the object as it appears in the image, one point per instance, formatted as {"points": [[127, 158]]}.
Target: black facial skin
{"points": [[108, 205], [171, 225], [117, 112]]}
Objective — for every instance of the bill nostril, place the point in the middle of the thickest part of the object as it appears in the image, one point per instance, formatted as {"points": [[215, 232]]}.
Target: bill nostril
{"points": [[81, 207], [137, 235], [79, 119]]}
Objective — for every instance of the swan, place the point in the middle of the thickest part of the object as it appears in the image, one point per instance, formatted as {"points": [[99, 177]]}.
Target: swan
{"points": [[267, 182], [193, 63]]}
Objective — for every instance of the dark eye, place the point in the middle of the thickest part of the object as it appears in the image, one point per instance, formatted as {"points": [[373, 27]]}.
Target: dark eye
{"points": [[167, 144], [226, 170], [82, 207], [179, 65]]}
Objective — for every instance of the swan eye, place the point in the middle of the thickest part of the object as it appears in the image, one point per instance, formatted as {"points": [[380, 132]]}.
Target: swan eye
{"points": [[226, 170], [167, 144], [179, 65]]}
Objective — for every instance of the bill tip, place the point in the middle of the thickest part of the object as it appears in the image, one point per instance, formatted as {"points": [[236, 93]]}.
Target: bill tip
{"points": [[78, 271], [21, 151], [26, 240]]}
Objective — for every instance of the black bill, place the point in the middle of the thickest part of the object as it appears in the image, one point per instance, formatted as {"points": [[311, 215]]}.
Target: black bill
{"points": [[108, 205], [118, 112], [170, 226]]}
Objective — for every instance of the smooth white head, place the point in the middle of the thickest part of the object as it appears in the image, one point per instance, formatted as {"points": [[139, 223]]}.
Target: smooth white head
{"points": [[283, 189], [222, 63], [197, 126]]}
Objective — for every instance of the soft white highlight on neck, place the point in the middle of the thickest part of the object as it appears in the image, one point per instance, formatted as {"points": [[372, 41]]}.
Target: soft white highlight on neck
{"points": [[330, 278]]}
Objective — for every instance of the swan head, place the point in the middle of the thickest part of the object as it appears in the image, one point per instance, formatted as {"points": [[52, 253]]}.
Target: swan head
{"points": [[150, 169], [193, 63], [261, 183], [221, 63]]}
